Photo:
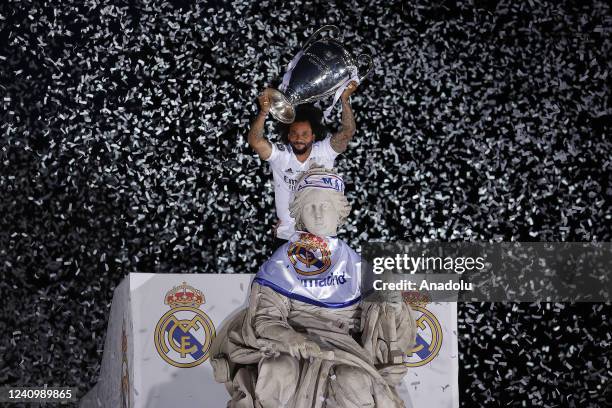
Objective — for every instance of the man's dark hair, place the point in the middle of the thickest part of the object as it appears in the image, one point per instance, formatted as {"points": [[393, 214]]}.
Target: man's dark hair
{"points": [[306, 113]]}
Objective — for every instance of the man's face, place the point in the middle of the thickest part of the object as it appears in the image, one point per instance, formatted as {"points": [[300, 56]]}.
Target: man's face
{"points": [[300, 137]]}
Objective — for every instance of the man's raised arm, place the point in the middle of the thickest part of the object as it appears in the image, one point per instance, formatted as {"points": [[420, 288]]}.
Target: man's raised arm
{"points": [[256, 138], [340, 139]]}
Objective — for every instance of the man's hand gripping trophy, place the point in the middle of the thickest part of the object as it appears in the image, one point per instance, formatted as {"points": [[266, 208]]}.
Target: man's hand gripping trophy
{"points": [[264, 102]]}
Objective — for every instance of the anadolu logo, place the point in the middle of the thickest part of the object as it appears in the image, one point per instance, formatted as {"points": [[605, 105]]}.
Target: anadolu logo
{"points": [[429, 331], [309, 255], [184, 334]]}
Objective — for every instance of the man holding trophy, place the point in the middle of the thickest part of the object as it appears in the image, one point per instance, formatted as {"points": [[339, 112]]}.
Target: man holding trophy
{"points": [[309, 337], [323, 68], [298, 150]]}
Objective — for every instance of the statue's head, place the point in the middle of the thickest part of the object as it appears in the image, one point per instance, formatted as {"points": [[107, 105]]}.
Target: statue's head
{"points": [[319, 205]]}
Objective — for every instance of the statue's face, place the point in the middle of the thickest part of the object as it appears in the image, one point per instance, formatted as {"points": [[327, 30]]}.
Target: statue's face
{"points": [[319, 214]]}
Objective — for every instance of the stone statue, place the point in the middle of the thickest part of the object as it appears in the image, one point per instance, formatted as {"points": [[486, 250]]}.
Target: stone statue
{"points": [[308, 339]]}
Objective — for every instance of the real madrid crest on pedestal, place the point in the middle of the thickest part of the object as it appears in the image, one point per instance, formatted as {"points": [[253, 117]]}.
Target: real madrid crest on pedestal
{"points": [[184, 334], [429, 330]]}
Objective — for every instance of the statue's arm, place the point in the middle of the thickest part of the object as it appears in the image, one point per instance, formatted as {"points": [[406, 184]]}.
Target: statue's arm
{"points": [[406, 327], [269, 311], [256, 138], [269, 320], [391, 323], [341, 139]]}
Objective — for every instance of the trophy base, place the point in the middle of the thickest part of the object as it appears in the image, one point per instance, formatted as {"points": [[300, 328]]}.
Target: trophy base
{"points": [[281, 108]]}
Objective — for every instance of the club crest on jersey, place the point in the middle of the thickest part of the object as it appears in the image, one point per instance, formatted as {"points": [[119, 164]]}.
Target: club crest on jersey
{"points": [[184, 334], [429, 331], [309, 255]]}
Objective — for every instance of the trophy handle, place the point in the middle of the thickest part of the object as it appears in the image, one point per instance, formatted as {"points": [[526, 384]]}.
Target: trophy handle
{"points": [[370, 62], [319, 31]]}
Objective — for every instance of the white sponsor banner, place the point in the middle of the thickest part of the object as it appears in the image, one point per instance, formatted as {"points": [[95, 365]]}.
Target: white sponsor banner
{"points": [[432, 379], [169, 320]]}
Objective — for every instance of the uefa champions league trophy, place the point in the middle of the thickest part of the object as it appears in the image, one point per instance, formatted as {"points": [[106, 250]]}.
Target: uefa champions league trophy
{"points": [[322, 68]]}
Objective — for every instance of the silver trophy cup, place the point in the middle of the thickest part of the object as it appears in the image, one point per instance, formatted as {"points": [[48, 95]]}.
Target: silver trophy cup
{"points": [[323, 67]]}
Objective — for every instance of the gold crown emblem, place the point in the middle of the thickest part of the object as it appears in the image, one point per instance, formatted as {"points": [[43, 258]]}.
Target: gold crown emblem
{"points": [[416, 298], [184, 296], [312, 241]]}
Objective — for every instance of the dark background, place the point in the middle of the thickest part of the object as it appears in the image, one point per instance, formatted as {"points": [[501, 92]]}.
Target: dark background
{"points": [[123, 148]]}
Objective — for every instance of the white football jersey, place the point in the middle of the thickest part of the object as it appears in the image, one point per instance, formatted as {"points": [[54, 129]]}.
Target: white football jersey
{"points": [[286, 169]]}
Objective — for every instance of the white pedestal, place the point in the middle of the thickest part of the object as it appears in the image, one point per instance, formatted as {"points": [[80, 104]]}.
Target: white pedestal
{"points": [[156, 348]]}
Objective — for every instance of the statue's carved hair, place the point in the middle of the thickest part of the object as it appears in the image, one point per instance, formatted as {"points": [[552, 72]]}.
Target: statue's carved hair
{"points": [[337, 198]]}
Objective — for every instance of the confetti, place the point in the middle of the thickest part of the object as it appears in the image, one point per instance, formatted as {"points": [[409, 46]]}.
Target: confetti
{"points": [[124, 149]]}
